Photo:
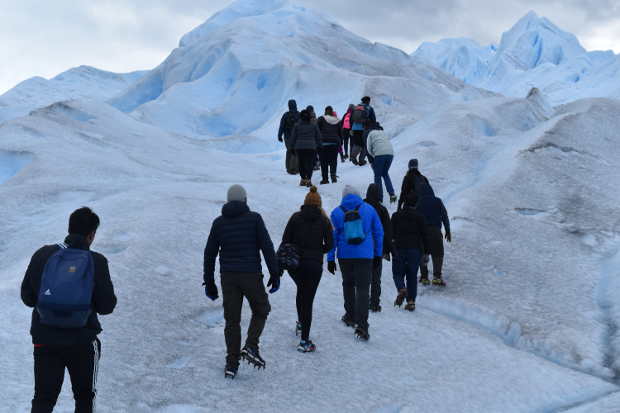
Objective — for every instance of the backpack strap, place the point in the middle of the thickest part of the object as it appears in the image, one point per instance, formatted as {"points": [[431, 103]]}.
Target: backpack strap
{"points": [[62, 245]]}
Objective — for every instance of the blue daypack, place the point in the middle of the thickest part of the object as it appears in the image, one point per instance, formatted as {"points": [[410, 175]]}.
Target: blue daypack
{"points": [[353, 226], [67, 285]]}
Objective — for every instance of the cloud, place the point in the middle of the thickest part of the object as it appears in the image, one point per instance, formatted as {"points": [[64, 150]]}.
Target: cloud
{"points": [[46, 38]]}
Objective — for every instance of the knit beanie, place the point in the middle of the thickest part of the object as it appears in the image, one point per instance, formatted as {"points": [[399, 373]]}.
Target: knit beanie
{"points": [[413, 164], [313, 198], [237, 193], [350, 190]]}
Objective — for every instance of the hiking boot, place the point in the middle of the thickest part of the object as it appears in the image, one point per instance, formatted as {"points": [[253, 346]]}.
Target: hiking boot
{"points": [[425, 281], [306, 346], [302, 182], [375, 308], [230, 372], [298, 329], [252, 356], [439, 282], [348, 321], [362, 333], [334, 179], [362, 163], [308, 183], [400, 298], [354, 161], [324, 182], [410, 306]]}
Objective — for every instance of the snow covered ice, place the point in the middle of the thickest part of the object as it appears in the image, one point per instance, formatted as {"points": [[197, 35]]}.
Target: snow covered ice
{"points": [[529, 320]]}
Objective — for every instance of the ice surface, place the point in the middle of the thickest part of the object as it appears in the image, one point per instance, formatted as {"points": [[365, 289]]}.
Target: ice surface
{"points": [[11, 163]]}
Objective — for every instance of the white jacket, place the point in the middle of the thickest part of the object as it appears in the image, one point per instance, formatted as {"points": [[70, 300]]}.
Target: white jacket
{"points": [[378, 144]]}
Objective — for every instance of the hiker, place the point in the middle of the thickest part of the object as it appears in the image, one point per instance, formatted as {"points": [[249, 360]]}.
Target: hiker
{"points": [[410, 241], [381, 154], [287, 123], [362, 116], [413, 181], [238, 236], [372, 198], [313, 120], [435, 214], [330, 128], [310, 232], [306, 140], [346, 133], [67, 284], [358, 239]]}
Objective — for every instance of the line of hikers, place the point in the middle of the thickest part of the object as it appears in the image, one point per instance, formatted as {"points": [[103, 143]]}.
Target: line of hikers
{"points": [[68, 285], [307, 139]]}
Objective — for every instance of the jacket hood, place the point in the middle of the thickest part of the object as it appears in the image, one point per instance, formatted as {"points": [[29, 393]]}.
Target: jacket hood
{"points": [[332, 120], [310, 213], [351, 201], [292, 105], [372, 195], [234, 209]]}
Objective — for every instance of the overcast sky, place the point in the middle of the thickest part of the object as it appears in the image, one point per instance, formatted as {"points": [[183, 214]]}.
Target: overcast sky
{"points": [[44, 38]]}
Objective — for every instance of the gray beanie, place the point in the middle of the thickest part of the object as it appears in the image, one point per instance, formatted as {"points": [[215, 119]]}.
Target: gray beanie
{"points": [[350, 190], [237, 193]]}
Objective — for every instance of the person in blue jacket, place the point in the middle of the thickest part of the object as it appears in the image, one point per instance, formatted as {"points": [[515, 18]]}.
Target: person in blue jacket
{"points": [[357, 257]]}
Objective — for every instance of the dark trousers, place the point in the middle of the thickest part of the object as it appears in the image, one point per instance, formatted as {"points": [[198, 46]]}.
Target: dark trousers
{"points": [[307, 277], [356, 274], [436, 251], [375, 285], [292, 166], [235, 286], [50, 363], [357, 145], [345, 141], [307, 159], [381, 168], [405, 264], [329, 161]]}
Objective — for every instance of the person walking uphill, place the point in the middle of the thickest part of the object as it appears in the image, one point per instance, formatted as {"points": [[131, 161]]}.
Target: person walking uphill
{"points": [[287, 123], [372, 198], [435, 214], [382, 154], [310, 232], [330, 128], [410, 239], [358, 239], [306, 140], [346, 132], [362, 116], [238, 236], [68, 285], [413, 181]]}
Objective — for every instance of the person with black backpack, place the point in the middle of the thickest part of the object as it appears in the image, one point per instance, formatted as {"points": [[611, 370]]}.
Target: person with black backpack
{"points": [[362, 116], [413, 181], [67, 284], [358, 239], [309, 233], [331, 129], [287, 123], [238, 236]]}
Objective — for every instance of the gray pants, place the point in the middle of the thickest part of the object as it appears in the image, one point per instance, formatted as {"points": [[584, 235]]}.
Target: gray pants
{"points": [[356, 275], [436, 251], [235, 286]]}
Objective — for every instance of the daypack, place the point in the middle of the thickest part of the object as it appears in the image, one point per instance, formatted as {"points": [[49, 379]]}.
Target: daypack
{"points": [[67, 285], [360, 114], [288, 257], [292, 118], [353, 226]]}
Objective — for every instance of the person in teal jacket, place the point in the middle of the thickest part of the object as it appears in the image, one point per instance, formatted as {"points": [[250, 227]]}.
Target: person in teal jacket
{"points": [[356, 260]]}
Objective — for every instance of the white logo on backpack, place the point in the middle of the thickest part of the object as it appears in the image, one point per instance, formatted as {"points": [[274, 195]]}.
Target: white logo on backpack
{"points": [[48, 292]]}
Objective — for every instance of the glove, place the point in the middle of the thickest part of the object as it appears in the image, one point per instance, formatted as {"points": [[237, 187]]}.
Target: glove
{"points": [[377, 262], [387, 257], [331, 267], [448, 237], [280, 139], [274, 283], [211, 290]]}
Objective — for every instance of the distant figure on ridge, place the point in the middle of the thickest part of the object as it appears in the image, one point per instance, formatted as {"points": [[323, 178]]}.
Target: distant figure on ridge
{"points": [[362, 116]]}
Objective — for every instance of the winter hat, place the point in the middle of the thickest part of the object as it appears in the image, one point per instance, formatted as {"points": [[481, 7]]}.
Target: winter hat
{"points": [[372, 194], [313, 198], [366, 100], [237, 193], [413, 164], [350, 190]]}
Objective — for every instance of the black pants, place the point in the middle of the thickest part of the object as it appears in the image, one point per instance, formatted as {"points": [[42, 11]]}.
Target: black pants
{"points": [[345, 141], [435, 248], [357, 145], [307, 277], [375, 285], [356, 274], [307, 159], [50, 363], [235, 286], [329, 161]]}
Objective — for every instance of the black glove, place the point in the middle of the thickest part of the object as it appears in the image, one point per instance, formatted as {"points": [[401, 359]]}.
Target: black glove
{"points": [[280, 139], [448, 237], [331, 267], [211, 290], [274, 283], [377, 262]]}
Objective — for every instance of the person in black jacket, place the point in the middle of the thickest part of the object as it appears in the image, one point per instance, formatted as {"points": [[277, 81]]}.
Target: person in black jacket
{"points": [[311, 232], [306, 141], [238, 236], [413, 181], [372, 198], [410, 241], [76, 349], [331, 136], [287, 123]]}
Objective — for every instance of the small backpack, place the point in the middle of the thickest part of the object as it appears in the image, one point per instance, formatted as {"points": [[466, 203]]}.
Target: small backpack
{"points": [[67, 285], [288, 257], [360, 115], [353, 226]]}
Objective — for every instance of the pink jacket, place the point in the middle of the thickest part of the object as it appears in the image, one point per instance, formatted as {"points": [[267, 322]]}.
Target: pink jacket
{"points": [[346, 121]]}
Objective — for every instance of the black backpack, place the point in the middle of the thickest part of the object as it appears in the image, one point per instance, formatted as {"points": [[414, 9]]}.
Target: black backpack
{"points": [[360, 114], [288, 257]]}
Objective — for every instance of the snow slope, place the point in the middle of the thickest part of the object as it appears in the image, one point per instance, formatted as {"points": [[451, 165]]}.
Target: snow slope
{"points": [[533, 53]]}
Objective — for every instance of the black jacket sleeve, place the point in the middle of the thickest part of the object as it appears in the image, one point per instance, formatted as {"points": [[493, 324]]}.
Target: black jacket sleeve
{"points": [[266, 246], [104, 299], [387, 231], [281, 129], [444, 217], [29, 296], [211, 250], [424, 232], [288, 236], [328, 236], [318, 137]]}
